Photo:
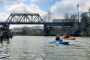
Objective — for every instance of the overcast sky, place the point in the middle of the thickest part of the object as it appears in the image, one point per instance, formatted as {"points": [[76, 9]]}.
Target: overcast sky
{"points": [[58, 7]]}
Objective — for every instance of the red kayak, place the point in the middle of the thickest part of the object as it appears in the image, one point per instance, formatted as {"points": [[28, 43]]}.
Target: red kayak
{"points": [[69, 38]]}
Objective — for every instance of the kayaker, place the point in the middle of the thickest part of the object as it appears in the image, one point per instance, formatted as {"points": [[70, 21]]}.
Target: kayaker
{"points": [[57, 38], [66, 36]]}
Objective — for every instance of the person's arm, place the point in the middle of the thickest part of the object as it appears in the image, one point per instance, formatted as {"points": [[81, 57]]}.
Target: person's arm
{"points": [[55, 39]]}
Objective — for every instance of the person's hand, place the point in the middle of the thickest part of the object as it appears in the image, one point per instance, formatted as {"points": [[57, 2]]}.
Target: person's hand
{"points": [[55, 39]]}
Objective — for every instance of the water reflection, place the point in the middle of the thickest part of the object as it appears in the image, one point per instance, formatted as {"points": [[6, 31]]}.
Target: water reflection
{"points": [[7, 41], [4, 48]]}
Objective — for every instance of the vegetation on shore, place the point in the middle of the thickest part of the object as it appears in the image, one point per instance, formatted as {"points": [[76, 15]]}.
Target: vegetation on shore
{"points": [[31, 32], [79, 29]]}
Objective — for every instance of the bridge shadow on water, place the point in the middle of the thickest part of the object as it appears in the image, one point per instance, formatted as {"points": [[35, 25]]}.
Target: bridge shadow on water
{"points": [[4, 48], [7, 41]]}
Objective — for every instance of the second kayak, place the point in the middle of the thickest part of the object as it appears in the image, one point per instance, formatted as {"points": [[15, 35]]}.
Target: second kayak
{"points": [[69, 38]]}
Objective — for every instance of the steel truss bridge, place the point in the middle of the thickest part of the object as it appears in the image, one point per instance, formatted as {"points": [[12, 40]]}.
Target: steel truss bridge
{"points": [[30, 18]]}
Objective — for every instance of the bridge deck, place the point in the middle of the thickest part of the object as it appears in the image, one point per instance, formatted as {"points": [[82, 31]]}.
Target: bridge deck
{"points": [[47, 24]]}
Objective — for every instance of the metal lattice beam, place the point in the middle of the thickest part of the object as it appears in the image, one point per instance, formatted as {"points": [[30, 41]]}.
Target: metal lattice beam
{"points": [[24, 17]]}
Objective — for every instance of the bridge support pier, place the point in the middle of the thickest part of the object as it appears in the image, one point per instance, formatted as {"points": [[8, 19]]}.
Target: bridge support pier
{"points": [[6, 30], [6, 27], [45, 29]]}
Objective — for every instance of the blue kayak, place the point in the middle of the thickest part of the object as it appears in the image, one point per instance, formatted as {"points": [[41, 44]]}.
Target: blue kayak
{"points": [[61, 42]]}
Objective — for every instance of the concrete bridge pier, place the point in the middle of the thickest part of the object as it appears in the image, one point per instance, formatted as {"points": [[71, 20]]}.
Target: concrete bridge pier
{"points": [[44, 29], [6, 27], [5, 31]]}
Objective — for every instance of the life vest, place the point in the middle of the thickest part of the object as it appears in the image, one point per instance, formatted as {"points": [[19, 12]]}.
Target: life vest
{"points": [[57, 38]]}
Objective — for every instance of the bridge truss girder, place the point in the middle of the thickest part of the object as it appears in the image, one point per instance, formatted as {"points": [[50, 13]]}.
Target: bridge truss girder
{"points": [[24, 18]]}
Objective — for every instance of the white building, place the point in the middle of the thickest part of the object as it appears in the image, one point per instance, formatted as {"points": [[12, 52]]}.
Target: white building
{"points": [[17, 30]]}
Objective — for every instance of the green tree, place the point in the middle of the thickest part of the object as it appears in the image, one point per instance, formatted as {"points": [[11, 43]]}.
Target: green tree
{"points": [[89, 12], [84, 21], [29, 31], [48, 29]]}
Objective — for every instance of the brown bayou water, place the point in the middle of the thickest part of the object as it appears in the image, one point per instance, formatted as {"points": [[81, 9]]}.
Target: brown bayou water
{"points": [[39, 48]]}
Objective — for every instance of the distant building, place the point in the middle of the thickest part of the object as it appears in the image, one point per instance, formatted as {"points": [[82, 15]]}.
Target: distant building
{"points": [[64, 20], [38, 28], [17, 30]]}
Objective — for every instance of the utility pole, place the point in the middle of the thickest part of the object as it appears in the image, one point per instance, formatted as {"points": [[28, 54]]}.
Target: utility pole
{"points": [[78, 11]]}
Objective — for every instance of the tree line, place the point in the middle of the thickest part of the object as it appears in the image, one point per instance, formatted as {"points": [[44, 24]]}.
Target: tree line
{"points": [[81, 28], [78, 29]]}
